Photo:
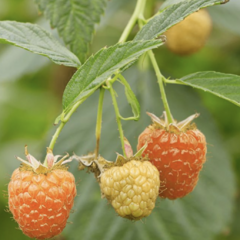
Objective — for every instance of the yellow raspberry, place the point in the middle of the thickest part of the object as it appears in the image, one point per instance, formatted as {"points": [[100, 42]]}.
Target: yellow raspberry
{"points": [[132, 189], [190, 35]]}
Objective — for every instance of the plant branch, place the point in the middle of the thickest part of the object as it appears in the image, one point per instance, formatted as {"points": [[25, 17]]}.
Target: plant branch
{"points": [[161, 86], [118, 117], [138, 9], [99, 120]]}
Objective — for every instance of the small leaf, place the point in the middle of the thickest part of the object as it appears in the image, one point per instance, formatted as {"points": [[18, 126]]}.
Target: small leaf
{"points": [[171, 16], [98, 68], [35, 39], [226, 86], [75, 21], [132, 100]]}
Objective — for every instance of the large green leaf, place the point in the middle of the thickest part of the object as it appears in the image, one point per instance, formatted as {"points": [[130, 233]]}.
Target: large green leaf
{"points": [[226, 86], [171, 16], [200, 215], [75, 21], [98, 68], [37, 40]]}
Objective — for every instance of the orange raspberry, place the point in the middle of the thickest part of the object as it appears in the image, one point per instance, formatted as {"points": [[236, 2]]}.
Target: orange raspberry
{"points": [[178, 151], [40, 199]]}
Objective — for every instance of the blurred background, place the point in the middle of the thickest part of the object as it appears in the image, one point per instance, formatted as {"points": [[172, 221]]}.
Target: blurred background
{"points": [[31, 89]]}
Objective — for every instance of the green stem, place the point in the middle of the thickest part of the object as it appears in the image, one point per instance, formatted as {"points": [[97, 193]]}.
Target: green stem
{"points": [[56, 134], [64, 120], [118, 118], [161, 86], [174, 82], [54, 139], [99, 120], [138, 9]]}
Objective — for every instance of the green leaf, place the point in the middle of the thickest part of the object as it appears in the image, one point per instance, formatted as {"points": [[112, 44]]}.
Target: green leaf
{"points": [[132, 100], [226, 86], [171, 16], [200, 215], [35, 39], [75, 21], [98, 68]]}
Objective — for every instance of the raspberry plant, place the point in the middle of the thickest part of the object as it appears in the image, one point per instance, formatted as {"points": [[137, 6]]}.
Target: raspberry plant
{"points": [[75, 23]]}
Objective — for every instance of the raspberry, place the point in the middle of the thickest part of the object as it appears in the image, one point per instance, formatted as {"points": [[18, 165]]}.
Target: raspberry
{"points": [[41, 198], [178, 151], [190, 35], [132, 189]]}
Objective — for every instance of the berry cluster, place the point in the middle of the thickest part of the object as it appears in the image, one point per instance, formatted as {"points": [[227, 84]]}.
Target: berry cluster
{"points": [[167, 164]]}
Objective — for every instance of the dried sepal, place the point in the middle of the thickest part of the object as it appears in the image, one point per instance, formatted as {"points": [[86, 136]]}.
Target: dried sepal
{"points": [[175, 127], [32, 164]]}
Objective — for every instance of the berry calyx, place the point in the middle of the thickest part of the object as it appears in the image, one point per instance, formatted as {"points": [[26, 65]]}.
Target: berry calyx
{"points": [[178, 151], [190, 35], [41, 197], [130, 184]]}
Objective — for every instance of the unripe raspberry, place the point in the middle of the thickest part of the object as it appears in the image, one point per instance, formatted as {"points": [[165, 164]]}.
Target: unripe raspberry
{"points": [[189, 35], [132, 189]]}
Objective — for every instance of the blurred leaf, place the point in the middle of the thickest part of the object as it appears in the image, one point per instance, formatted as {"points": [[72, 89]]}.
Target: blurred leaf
{"points": [[227, 16], [35, 39], [98, 68], [226, 86], [171, 16], [21, 61], [75, 21], [200, 215], [132, 100], [25, 112]]}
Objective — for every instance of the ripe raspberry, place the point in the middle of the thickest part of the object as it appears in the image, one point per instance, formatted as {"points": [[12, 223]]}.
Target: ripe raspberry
{"points": [[41, 198], [132, 189], [190, 35], [178, 151]]}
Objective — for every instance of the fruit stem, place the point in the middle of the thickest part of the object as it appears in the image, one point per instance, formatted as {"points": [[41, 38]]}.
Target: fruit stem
{"points": [[118, 117], [160, 79], [99, 120], [56, 134], [64, 120], [138, 9]]}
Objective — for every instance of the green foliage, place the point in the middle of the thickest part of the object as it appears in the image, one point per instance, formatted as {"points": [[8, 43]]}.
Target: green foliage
{"points": [[171, 16], [37, 40], [98, 68], [75, 21], [226, 86], [198, 216]]}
